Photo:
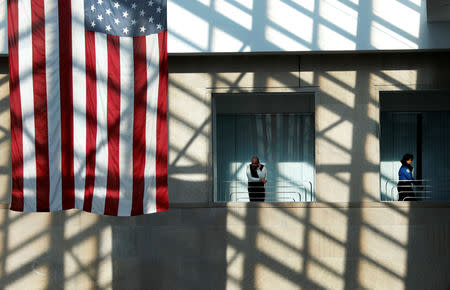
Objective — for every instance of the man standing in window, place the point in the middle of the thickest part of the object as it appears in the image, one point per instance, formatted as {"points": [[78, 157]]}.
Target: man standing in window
{"points": [[256, 174]]}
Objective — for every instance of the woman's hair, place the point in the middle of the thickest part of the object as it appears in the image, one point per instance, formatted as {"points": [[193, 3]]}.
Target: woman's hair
{"points": [[406, 157]]}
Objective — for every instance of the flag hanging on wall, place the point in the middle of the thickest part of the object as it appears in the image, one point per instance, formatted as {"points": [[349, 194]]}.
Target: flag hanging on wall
{"points": [[88, 89]]}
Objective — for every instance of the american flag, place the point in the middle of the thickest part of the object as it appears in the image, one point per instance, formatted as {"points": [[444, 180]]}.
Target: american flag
{"points": [[88, 91]]}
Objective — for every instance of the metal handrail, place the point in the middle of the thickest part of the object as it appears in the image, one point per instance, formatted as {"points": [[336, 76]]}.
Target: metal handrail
{"points": [[413, 197], [270, 192], [416, 196], [266, 199], [397, 180], [414, 191], [412, 181], [304, 187]]}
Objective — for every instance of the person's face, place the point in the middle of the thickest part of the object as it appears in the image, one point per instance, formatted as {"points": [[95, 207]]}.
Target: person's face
{"points": [[409, 162], [255, 162]]}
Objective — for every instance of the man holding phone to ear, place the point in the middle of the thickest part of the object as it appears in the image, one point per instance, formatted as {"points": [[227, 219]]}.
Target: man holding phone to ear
{"points": [[256, 175]]}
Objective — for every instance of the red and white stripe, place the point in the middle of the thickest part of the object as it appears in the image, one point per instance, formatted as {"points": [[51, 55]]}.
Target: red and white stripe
{"points": [[88, 114]]}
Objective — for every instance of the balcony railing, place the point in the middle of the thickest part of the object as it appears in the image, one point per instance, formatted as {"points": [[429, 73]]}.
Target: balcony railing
{"points": [[421, 189], [237, 191]]}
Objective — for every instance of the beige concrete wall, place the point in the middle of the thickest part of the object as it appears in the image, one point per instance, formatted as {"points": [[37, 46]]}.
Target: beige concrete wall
{"points": [[333, 244], [191, 84], [346, 112], [328, 247]]}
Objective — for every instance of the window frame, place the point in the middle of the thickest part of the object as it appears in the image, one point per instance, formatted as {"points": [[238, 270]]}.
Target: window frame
{"points": [[212, 95], [377, 91]]}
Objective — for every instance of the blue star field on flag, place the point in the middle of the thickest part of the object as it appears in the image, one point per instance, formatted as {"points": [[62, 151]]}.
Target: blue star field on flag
{"points": [[129, 18]]}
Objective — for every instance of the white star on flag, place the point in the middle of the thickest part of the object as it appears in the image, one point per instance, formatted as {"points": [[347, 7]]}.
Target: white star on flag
{"points": [[116, 5], [108, 27], [142, 29]]}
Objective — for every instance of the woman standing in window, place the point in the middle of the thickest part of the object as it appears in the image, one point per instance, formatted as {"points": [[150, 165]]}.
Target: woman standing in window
{"points": [[405, 177]]}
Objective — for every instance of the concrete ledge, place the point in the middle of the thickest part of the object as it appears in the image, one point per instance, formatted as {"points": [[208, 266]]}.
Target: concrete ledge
{"points": [[315, 204], [411, 204]]}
